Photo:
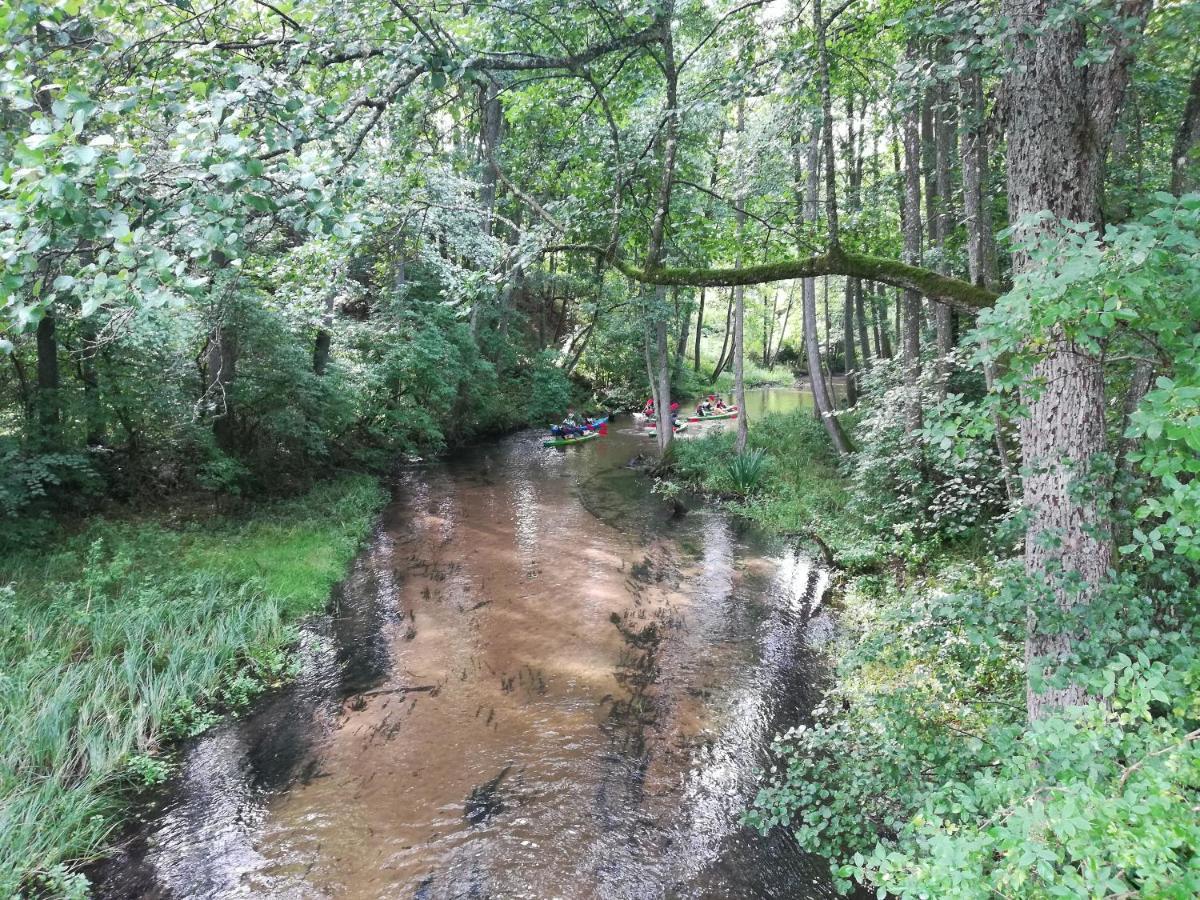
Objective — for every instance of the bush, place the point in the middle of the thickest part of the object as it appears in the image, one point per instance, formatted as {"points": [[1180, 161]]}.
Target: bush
{"points": [[746, 471], [943, 482]]}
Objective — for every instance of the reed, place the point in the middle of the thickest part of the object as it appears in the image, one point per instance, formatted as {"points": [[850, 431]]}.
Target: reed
{"points": [[126, 637]]}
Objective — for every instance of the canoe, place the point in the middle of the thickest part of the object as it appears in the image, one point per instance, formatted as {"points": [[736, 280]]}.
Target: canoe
{"points": [[594, 426], [567, 442], [730, 413], [678, 428]]}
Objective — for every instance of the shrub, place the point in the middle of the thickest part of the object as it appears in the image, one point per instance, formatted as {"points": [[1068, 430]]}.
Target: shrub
{"points": [[747, 470]]}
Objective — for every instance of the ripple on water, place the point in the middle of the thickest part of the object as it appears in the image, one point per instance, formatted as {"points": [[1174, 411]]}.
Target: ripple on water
{"points": [[532, 683]]}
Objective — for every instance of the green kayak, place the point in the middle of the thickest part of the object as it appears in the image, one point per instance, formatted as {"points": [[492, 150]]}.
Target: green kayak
{"points": [[567, 442]]}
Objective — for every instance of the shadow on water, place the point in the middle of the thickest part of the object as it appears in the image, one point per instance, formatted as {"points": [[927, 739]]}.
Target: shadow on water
{"points": [[534, 682]]}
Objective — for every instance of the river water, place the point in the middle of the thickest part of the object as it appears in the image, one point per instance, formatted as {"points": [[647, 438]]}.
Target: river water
{"points": [[534, 682]]}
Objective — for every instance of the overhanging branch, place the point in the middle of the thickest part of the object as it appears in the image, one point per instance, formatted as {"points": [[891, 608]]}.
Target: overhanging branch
{"points": [[942, 288]]}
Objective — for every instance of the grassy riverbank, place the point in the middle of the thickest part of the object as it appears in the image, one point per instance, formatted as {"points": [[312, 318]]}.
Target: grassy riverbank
{"points": [[126, 636], [922, 774]]}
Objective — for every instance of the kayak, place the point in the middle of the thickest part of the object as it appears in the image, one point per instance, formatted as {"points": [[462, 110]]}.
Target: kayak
{"points": [[730, 413], [678, 428], [567, 442], [593, 427]]}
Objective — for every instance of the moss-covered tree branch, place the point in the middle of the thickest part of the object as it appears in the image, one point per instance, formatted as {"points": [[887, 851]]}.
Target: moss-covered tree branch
{"points": [[942, 288]]}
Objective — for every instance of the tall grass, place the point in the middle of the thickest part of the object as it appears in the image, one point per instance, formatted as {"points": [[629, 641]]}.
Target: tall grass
{"points": [[131, 635], [801, 489]]}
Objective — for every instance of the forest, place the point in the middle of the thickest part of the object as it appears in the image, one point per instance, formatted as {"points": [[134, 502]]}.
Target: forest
{"points": [[254, 254]]}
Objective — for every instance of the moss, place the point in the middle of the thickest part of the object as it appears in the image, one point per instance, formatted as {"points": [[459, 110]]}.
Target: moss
{"points": [[943, 288]]}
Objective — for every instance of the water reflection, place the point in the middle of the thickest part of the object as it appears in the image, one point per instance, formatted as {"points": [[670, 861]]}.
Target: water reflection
{"points": [[534, 683]]}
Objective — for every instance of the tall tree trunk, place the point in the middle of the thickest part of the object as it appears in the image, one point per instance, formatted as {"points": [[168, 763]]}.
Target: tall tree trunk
{"points": [[723, 359], [848, 343], [787, 315], [221, 366], [1185, 166], [663, 404], [491, 119], [699, 332], [944, 130], [809, 211], [912, 256], [860, 313], [685, 324], [739, 293], [977, 216], [1062, 117], [93, 409], [658, 227], [48, 412], [324, 334], [884, 342]]}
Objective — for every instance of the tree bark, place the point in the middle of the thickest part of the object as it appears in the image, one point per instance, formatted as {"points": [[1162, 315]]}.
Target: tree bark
{"points": [[221, 366], [699, 332], [912, 256], [808, 210], [1062, 117], [739, 296], [860, 317], [491, 120], [49, 414], [1185, 167], [723, 359], [943, 151], [787, 315], [324, 334]]}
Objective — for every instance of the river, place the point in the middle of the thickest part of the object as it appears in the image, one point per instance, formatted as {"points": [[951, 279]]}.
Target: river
{"points": [[534, 682]]}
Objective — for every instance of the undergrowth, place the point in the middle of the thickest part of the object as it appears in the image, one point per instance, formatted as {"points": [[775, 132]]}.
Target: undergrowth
{"points": [[125, 637]]}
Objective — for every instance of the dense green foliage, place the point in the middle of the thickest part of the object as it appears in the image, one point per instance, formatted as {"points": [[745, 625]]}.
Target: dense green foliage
{"points": [[920, 771], [246, 244], [128, 635]]}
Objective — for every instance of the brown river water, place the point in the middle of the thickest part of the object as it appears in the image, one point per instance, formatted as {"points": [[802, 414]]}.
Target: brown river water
{"points": [[533, 683]]}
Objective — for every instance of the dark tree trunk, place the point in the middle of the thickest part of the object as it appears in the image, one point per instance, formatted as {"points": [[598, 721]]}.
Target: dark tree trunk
{"points": [[1185, 166], [787, 315], [699, 332], [860, 313], [324, 334], [685, 324], [47, 382], [912, 256], [723, 359], [884, 341]]}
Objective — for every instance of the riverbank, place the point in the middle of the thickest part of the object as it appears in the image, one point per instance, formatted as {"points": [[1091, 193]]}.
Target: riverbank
{"points": [[921, 774], [127, 636], [607, 677]]}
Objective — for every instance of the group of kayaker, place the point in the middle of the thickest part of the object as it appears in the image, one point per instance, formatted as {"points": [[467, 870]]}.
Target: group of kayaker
{"points": [[648, 409], [574, 425], [712, 405]]}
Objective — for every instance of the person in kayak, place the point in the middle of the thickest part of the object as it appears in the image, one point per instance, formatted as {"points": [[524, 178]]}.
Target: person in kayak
{"points": [[570, 425], [704, 407], [648, 409]]}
